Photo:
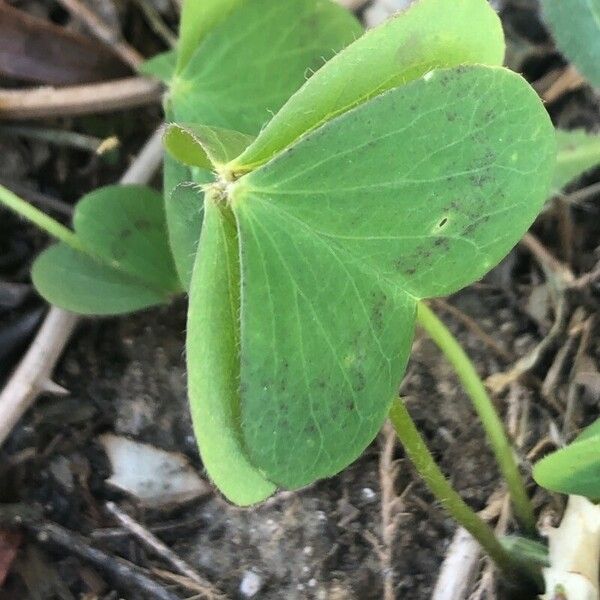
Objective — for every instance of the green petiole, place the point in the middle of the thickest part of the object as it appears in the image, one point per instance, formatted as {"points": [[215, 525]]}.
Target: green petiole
{"points": [[40, 219], [421, 457], [484, 407]]}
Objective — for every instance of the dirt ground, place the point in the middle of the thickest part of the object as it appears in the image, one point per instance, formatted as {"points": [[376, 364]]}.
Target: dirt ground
{"points": [[331, 541]]}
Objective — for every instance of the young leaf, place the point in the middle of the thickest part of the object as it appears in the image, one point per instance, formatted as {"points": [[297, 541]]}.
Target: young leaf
{"points": [[204, 146], [413, 194], [575, 26], [198, 17], [161, 66], [127, 264], [428, 35], [184, 209], [213, 335], [248, 65], [574, 469], [578, 151]]}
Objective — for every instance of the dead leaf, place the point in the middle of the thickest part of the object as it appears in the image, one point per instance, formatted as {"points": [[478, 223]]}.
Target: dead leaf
{"points": [[33, 49]]}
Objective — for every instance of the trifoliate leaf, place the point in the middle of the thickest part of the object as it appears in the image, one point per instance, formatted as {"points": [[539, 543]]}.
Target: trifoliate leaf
{"points": [[415, 193]]}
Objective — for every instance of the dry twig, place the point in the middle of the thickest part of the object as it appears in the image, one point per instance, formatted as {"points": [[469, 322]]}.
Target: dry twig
{"points": [[567, 81], [43, 102], [391, 510], [151, 541], [97, 26], [461, 564], [32, 376], [121, 572], [547, 259], [391, 506], [459, 569]]}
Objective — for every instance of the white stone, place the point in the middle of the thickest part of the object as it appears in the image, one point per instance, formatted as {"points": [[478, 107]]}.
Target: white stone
{"points": [[153, 476], [251, 584]]}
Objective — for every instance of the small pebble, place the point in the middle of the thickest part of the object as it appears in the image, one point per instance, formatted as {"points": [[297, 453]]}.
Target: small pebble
{"points": [[368, 495], [251, 584]]}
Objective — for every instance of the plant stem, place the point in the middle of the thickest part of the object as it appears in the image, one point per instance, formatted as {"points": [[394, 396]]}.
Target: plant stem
{"points": [[40, 219], [421, 457], [484, 407]]}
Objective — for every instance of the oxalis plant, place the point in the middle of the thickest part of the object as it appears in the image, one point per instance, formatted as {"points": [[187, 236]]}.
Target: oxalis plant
{"points": [[310, 209]]}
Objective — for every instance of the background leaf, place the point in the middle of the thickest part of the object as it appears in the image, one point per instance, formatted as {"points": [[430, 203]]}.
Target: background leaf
{"points": [[575, 26], [33, 49], [578, 151], [76, 282], [125, 226], [128, 264], [198, 17], [574, 469], [426, 36], [212, 349], [247, 66], [413, 194]]}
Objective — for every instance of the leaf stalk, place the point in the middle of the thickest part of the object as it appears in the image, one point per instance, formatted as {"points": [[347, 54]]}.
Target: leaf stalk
{"points": [[40, 219], [484, 407], [421, 457]]}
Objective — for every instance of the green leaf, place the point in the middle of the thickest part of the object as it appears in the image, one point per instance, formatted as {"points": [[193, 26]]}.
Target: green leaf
{"points": [[575, 26], [185, 209], [161, 66], [213, 337], [574, 469], [198, 17], [124, 225], [248, 65], [578, 151], [127, 264], [204, 146], [79, 283], [413, 194], [428, 35]]}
